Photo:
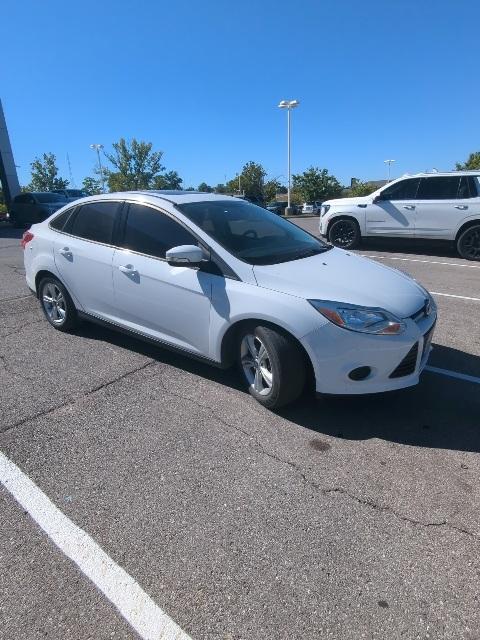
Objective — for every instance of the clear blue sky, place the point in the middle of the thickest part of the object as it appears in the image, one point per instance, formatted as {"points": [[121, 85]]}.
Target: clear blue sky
{"points": [[376, 79]]}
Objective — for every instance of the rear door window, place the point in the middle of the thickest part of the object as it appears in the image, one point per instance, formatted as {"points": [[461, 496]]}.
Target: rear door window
{"points": [[439, 188], [95, 221], [153, 233], [402, 190], [60, 221]]}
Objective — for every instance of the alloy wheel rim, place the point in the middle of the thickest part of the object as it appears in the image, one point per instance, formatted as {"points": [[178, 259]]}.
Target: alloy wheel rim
{"points": [[344, 234], [471, 244], [54, 303], [256, 364]]}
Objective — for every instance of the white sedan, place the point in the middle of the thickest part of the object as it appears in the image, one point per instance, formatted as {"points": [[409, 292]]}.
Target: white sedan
{"points": [[226, 281]]}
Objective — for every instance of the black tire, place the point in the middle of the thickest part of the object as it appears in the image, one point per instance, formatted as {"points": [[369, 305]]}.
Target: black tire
{"points": [[345, 233], [62, 307], [468, 243], [285, 362]]}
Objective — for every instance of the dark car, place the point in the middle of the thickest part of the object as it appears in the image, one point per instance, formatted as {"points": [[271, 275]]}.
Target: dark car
{"points": [[32, 207], [277, 207], [71, 194]]}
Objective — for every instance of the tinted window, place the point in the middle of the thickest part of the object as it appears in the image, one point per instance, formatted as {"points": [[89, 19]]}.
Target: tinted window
{"points": [[403, 190], [438, 188], [75, 193], [23, 198], [50, 197], [153, 233], [95, 221], [251, 233], [60, 221]]}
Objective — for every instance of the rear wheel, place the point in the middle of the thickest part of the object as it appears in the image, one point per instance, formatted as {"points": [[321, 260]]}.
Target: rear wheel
{"points": [[272, 365], [57, 304], [468, 243], [345, 234]]}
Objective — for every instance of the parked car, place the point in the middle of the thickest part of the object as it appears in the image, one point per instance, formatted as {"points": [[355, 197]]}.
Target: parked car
{"points": [[440, 206], [225, 281], [31, 207], [71, 194], [313, 207], [277, 207]]}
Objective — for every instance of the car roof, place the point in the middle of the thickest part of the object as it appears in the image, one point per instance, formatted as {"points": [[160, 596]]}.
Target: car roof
{"points": [[174, 197], [433, 174]]}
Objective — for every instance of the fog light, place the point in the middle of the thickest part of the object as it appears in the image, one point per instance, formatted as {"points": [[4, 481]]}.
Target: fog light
{"points": [[360, 373]]}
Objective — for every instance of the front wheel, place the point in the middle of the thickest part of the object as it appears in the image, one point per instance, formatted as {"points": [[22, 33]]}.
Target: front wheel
{"points": [[272, 365], [468, 243], [345, 234]]}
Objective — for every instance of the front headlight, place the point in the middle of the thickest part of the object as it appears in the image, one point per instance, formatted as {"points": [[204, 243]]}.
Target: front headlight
{"points": [[362, 319], [324, 209]]}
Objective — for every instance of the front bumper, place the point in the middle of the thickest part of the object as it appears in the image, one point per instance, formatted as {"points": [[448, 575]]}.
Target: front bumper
{"points": [[395, 362]]}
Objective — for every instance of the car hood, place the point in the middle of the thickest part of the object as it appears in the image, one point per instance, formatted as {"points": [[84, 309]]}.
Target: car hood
{"points": [[341, 276], [349, 201]]}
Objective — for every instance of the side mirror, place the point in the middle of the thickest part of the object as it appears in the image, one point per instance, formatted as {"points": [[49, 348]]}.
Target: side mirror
{"points": [[187, 255], [378, 198]]}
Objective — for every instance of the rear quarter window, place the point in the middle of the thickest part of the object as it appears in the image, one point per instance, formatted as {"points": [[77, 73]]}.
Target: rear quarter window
{"points": [[59, 223]]}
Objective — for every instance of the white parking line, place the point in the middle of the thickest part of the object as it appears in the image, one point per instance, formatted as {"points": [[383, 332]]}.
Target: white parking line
{"points": [[138, 609], [452, 295], [453, 374], [449, 264]]}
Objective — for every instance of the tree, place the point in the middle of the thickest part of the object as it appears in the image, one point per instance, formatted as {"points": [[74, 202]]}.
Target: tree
{"points": [[169, 180], [250, 182], [472, 163], [136, 165], [91, 186], [44, 174], [270, 189], [221, 188], [316, 184], [205, 188], [360, 188]]}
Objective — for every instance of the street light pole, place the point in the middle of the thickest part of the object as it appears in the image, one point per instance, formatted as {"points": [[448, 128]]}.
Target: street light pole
{"points": [[97, 148], [389, 162], [289, 105]]}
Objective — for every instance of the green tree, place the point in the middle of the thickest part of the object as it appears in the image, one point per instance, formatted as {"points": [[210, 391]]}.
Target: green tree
{"points": [[316, 184], [136, 165], [91, 186], [221, 188], [270, 189], [44, 174], [169, 180], [250, 182], [205, 188], [360, 188], [472, 163]]}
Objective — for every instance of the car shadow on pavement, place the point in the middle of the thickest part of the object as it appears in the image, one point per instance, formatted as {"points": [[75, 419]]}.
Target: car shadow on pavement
{"points": [[417, 248], [440, 412]]}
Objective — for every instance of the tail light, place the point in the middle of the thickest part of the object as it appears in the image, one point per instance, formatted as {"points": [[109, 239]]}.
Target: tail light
{"points": [[26, 238]]}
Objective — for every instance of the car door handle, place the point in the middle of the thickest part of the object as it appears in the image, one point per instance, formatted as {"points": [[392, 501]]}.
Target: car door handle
{"points": [[127, 269], [410, 207], [65, 252], [461, 206]]}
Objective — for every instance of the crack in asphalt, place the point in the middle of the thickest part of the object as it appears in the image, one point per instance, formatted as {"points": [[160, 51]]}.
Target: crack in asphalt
{"points": [[74, 399], [314, 485], [28, 295]]}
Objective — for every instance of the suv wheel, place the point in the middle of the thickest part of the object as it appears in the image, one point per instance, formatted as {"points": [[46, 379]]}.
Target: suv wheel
{"points": [[468, 243], [345, 234], [272, 365], [57, 304]]}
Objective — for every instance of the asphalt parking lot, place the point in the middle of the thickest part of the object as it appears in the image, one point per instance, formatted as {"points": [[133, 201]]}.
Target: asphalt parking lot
{"points": [[341, 518]]}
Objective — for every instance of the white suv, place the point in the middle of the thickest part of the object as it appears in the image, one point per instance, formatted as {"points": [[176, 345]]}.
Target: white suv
{"points": [[440, 206], [226, 281]]}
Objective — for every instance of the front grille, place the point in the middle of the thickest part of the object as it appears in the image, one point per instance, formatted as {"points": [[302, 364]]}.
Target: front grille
{"points": [[407, 365]]}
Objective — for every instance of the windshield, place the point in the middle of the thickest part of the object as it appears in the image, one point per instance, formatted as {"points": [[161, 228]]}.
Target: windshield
{"points": [[251, 233], [49, 197]]}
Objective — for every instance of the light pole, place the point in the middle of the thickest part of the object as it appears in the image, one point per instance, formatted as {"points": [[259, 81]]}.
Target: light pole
{"points": [[288, 105], [389, 162], [97, 148]]}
